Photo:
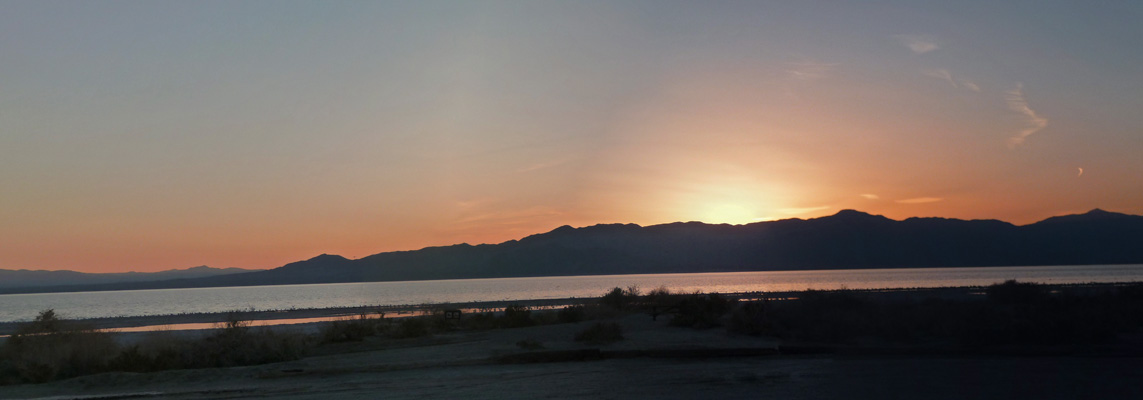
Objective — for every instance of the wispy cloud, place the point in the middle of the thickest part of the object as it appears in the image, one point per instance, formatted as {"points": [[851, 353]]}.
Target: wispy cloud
{"points": [[802, 210], [945, 75], [919, 44], [870, 196], [507, 217], [942, 74], [1018, 103], [920, 200], [970, 85], [543, 165], [809, 70]]}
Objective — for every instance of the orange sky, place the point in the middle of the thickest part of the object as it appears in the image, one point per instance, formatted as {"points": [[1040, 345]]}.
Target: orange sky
{"points": [[175, 135]]}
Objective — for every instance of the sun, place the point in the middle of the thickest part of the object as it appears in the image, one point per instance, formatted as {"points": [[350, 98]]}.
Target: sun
{"points": [[728, 213]]}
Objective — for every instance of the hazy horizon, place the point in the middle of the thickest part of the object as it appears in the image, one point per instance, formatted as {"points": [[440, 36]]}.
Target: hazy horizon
{"points": [[140, 136]]}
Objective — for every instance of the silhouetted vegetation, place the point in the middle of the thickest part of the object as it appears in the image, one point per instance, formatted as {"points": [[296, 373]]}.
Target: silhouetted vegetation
{"points": [[660, 297], [621, 299], [571, 314], [353, 329], [750, 319], [516, 316], [411, 327], [1012, 313], [600, 333], [1012, 292], [701, 311], [238, 344], [49, 348]]}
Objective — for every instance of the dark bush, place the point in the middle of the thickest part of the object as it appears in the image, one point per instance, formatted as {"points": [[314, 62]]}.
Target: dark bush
{"points": [[701, 310], [350, 330], [659, 298], [1015, 314], [411, 327], [750, 319], [600, 333], [480, 321], [49, 348], [516, 316], [1012, 292], [235, 343], [571, 314], [621, 299]]}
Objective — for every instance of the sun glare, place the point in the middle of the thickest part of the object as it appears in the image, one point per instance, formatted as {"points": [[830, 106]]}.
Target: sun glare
{"points": [[726, 213]]}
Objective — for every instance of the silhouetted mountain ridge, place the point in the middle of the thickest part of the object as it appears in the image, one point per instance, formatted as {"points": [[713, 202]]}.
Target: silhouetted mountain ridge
{"points": [[39, 278], [848, 239]]}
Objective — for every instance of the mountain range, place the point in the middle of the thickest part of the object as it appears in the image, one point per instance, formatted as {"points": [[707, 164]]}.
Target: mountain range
{"points": [[34, 278], [846, 240]]}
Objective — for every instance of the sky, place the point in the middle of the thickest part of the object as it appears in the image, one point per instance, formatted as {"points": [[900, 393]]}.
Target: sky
{"points": [[151, 135]]}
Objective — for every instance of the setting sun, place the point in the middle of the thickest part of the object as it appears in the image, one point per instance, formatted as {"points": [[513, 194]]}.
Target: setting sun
{"points": [[728, 213]]}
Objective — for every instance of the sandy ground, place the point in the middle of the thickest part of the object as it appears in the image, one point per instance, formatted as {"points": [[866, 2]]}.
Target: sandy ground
{"points": [[465, 366]]}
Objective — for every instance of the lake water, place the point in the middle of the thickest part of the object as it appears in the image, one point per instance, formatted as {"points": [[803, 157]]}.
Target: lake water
{"points": [[17, 307]]}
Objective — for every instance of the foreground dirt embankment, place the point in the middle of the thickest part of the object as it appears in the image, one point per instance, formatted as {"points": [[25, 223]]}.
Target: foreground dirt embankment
{"points": [[664, 363]]}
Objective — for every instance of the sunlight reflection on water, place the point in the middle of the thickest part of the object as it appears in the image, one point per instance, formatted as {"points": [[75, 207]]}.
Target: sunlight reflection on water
{"points": [[177, 301]]}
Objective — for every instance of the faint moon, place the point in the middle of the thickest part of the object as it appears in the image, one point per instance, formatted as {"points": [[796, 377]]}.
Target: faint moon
{"points": [[1080, 171]]}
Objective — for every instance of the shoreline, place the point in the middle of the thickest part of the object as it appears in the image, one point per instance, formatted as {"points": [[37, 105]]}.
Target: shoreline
{"points": [[659, 358], [320, 315]]}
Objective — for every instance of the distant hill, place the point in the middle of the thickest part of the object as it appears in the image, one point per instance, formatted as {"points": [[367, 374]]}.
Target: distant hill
{"points": [[849, 239], [40, 278]]}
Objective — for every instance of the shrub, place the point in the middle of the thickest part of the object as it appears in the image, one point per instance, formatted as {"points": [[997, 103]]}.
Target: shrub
{"points": [[1012, 292], [600, 333], [619, 298], [749, 319], [350, 330], [236, 344], [157, 351], [516, 316], [51, 348], [571, 314], [702, 310], [659, 297], [47, 322], [479, 321], [411, 327]]}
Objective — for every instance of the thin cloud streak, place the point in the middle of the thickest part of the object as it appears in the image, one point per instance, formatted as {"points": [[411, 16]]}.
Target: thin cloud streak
{"points": [[970, 85], [807, 71], [1018, 103], [512, 217], [942, 74], [802, 210], [870, 196], [920, 200], [545, 165], [919, 44]]}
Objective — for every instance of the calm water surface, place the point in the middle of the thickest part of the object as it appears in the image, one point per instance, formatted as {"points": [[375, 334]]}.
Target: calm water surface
{"points": [[16, 307]]}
